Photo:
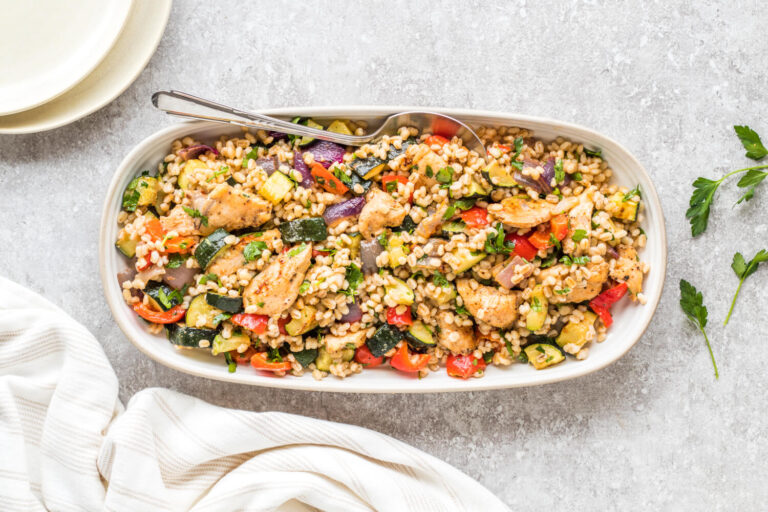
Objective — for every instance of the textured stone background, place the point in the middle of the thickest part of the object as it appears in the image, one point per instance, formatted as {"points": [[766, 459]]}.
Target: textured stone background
{"points": [[667, 79]]}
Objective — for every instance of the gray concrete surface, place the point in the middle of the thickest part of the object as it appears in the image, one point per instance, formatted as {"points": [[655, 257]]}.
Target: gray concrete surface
{"points": [[655, 431]]}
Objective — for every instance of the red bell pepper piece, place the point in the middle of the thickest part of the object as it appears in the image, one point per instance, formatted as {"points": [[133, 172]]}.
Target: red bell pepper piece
{"points": [[464, 366], [244, 358], [542, 238], [171, 316], [395, 318], [281, 324], [364, 356], [405, 362], [254, 323], [601, 304], [394, 178], [436, 139], [475, 217], [260, 362], [523, 247]]}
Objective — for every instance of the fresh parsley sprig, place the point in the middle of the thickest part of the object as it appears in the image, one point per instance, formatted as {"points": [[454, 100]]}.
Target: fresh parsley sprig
{"points": [[692, 303], [704, 189], [743, 270]]}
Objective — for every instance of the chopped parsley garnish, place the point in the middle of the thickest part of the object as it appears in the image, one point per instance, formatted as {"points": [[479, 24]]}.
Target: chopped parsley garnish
{"points": [[536, 304], [445, 175], [391, 186], [692, 304], [273, 356], [579, 235], [253, 154], [465, 203], [594, 152], [523, 357], [430, 172], [260, 304], [495, 242], [576, 260], [210, 277], [341, 175], [564, 291], [304, 287], [539, 348], [632, 193], [175, 260], [559, 172], [551, 259], [224, 169], [254, 250], [449, 212], [461, 310], [297, 250], [488, 357], [576, 176], [382, 238], [231, 365], [438, 279], [353, 276], [221, 317], [553, 241], [195, 214]]}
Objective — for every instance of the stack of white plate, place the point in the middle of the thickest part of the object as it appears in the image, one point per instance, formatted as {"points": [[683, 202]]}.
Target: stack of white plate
{"points": [[60, 61]]}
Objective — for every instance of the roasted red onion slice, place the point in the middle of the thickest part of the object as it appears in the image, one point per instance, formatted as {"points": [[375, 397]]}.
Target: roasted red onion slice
{"points": [[355, 314], [326, 153], [369, 251], [339, 211], [191, 152]]}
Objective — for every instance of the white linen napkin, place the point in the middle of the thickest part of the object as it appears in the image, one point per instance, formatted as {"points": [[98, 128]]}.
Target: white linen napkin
{"points": [[66, 442]]}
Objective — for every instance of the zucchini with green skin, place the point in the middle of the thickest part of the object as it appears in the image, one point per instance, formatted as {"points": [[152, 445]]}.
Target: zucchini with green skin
{"points": [[542, 355], [408, 225], [199, 308], [211, 247], [141, 191], [399, 292], [476, 190], [539, 309], [419, 335], [324, 360], [368, 168], [305, 323], [313, 229], [125, 244], [305, 357], [462, 259], [394, 152], [162, 296], [190, 337], [498, 176], [225, 302], [305, 140], [354, 180], [451, 228], [384, 339], [222, 344], [624, 210]]}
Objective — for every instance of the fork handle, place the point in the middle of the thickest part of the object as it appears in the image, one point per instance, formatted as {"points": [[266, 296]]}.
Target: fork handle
{"points": [[186, 105]]}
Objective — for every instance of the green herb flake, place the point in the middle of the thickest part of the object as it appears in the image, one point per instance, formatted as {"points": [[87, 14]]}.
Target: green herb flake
{"points": [[439, 280], [564, 291], [536, 305], [231, 365], [273, 356], [576, 176], [175, 260], [210, 277], [391, 186], [342, 176], [221, 317], [353, 276], [254, 250], [260, 304], [297, 250], [449, 212], [304, 287], [430, 172], [382, 238], [579, 235], [195, 214], [445, 175], [465, 203], [461, 310], [559, 172], [597, 153], [635, 192], [554, 242], [551, 259]]}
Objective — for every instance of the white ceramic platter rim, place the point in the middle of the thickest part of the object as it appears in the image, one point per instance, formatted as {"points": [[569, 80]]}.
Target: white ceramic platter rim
{"points": [[63, 75], [130, 54], [631, 320]]}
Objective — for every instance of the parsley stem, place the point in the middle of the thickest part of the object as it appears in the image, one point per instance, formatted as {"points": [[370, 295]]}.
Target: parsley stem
{"points": [[737, 171], [711, 354], [733, 302]]}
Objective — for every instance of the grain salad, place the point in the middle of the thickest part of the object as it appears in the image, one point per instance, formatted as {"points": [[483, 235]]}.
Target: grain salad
{"points": [[295, 255]]}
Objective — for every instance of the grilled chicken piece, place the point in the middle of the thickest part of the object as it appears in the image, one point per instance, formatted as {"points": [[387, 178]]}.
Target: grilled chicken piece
{"points": [[380, 210], [179, 221], [580, 217], [339, 343], [584, 290], [228, 208], [431, 223], [232, 260], [522, 212], [457, 339], [489, 304], [627, 269], [275, 289]]}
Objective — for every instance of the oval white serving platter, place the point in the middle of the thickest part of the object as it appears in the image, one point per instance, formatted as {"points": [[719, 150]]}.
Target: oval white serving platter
{"points": [[630, 323]]}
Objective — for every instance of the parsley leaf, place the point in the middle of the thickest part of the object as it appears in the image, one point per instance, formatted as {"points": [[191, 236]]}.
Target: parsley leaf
{"points": [[495, 242], [579, 235], [461, 310], [554, 242], [598, 153], [253, 250], [536, 304], [341, 175], [751, 142], [231, 364], [220, 318], [632, 193], [175, 260], [551, 259], [210, 277], [577, 176], [297, 250], [438, 279], [692, 304], [195, 214], [743, 270], [752, 179], [449, 212], [382, 238], [354, 277], [559, 172], [304, 287], [465, 203], [564, 291], [445, 175]]}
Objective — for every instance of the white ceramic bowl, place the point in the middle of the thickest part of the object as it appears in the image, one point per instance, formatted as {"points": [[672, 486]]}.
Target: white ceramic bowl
{"points": [[631, 320]]}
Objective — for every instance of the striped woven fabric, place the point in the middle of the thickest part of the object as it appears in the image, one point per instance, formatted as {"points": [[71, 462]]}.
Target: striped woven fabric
{"points": [[67, 443]]}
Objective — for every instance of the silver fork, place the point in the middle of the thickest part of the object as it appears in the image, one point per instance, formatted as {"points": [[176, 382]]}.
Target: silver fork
{"points": [[185, 105]]}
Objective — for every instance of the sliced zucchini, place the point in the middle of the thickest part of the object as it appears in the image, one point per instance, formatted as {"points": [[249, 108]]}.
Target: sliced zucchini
{"points": [[453, 227], [394, 152], [408, 225], [211, 247], [125, 245], [141, 191], [339, 126], [539, 308], [222, 344], [476, 190], [624, 210], [312, 229], [324, 360], [446, 294], [199, 308], [224, 302], [384, 339], [396, 250], [190, 337], [311, 124], [399, 292], [419, 335], [369, 167], [190, 167], [463, 259], [161, 296], [305, 357], [576, 333], [305, 323], [347, 354], [542, 355], [276, 187], [354, 180], [353, 245], [498, 176]]}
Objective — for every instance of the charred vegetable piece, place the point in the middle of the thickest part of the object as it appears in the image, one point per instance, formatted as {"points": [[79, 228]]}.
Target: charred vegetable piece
{"points": [[190, 337], [538, 312], [498, 176], [399, 292], [384, 339], [419, 336], [199, 308], [369, 167], [305, 323], [313, 229], [306, 140], [224, 302], [625, 210], [306, 357], [189, 168], [162, 297], [576, 333], [211, 247], [141, 191], [222, 344], [542, 355]]}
